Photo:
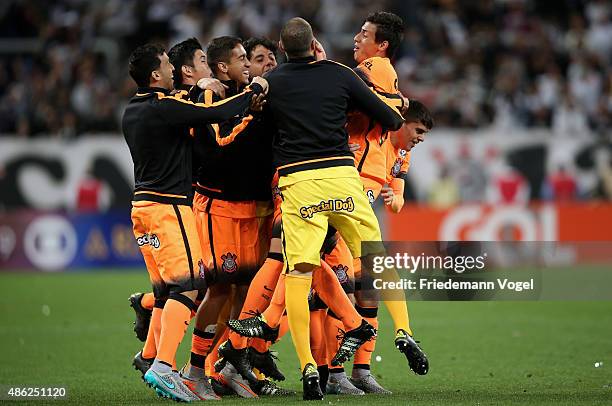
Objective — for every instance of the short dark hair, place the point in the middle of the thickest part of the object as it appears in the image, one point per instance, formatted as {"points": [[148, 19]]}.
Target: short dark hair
{"points": [[253, 42], [389, 27], [182, 54], [296, 37], [418, 113], [220, 50], [143, 61]]}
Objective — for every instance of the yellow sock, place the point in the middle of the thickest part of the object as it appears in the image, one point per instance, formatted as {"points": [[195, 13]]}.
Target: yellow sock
{"points": [[297, 288], [397, 307], [399, 314]]}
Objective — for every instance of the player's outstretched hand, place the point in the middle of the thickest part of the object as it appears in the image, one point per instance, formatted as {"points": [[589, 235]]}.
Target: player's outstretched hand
{"points": [[262, 82], [258, 102], [406, 104], [213, 84], [387, 194], [353, 147]]}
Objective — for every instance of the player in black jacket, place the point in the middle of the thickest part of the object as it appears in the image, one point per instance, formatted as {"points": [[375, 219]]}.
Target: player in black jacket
{"points": [[309, 101]]}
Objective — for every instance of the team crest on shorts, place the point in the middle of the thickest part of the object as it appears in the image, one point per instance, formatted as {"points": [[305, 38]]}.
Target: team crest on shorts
{"points": [[276, 192], [229, 262], [341, 272], [202, 269], [370, 194]]}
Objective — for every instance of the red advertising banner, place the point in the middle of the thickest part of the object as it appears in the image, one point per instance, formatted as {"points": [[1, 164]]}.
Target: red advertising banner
{"points": [[537, 222]]}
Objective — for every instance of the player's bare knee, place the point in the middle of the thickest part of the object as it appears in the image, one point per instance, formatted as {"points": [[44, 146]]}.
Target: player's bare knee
{"points": [[192, 294], [303, 268], [275, 246]]}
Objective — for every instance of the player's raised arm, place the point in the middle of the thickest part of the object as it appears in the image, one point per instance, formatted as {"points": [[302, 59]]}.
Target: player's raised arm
{"points": [[371, 104], [396, 100], [182, 112]]}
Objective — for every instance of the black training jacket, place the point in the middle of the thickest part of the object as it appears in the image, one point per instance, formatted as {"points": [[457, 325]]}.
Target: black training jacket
{"points": [[308, 100], [156, 127]]}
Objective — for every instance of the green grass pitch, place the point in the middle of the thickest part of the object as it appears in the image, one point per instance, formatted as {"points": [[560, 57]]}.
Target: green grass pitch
{"points": [[75, 331]]}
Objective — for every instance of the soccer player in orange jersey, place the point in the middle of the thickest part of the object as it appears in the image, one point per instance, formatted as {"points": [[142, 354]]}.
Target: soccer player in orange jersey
{"points": [[381, 164]]}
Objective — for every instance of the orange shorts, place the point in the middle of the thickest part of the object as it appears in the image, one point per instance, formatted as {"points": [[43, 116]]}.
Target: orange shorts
{"points": [[235, 234], [168, 240]]}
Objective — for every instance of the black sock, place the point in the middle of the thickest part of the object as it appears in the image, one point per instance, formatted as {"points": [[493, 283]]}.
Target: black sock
{"points": [[323, 376]]}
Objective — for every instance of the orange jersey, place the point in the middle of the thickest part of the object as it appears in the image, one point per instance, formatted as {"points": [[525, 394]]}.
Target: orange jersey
{"points": [[398, 161], [371, 158]]}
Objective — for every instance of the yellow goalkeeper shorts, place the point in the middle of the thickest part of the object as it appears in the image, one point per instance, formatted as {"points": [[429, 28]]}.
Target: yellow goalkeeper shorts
{"points": [[314, 199]]}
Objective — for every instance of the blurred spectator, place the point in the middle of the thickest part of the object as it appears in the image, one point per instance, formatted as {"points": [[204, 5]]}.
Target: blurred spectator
{"points": [[560, 186], [603, 164], [444, 193], [568, 117], [508, 186], [92, 194], [470, 176], [475, 64]]}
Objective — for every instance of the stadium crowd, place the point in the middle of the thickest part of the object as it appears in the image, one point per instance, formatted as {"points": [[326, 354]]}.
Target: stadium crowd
{"points": [[501, 63]]}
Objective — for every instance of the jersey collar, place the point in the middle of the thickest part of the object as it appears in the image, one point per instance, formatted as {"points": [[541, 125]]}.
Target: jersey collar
{"points": [[303, 59], [147, 90]]}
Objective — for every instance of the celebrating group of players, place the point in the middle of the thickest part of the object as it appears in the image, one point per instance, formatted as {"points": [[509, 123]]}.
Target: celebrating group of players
{"points": [[251, 205]]}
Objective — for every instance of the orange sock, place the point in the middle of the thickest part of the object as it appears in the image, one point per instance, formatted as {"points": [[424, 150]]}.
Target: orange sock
{"points": [[157, 326], [238, 342], [317, 338], [147, 301], [174, 322], [213, 356], [275, 310], [326, 283], [150, 346], [283, 327], [201, 342], [259, 345], [363, 356], [332, 327], [259, 295]]}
